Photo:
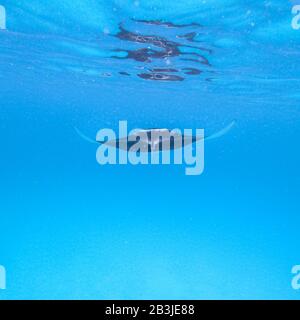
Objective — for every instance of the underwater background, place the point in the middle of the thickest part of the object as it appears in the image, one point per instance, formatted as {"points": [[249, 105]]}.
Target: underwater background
{"points": [[72, 229]]}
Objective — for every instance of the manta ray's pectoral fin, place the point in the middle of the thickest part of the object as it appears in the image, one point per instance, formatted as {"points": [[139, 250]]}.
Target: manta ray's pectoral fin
{"points": [[84, 137], [216, 135]]}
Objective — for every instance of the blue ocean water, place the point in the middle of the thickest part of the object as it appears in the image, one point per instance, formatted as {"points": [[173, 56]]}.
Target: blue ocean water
{"points": [[71, 229]]}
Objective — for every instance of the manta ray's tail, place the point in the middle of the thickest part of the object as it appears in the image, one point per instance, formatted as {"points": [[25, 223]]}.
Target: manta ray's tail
{"points": [[84, 137], [221, 132]]}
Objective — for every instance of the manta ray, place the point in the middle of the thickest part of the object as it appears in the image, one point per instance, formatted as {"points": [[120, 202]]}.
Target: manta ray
{"points": [[154, 140]]}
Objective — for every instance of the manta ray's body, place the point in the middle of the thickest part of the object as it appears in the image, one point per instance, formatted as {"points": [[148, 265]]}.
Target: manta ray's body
{"points": [[153, 140]]}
